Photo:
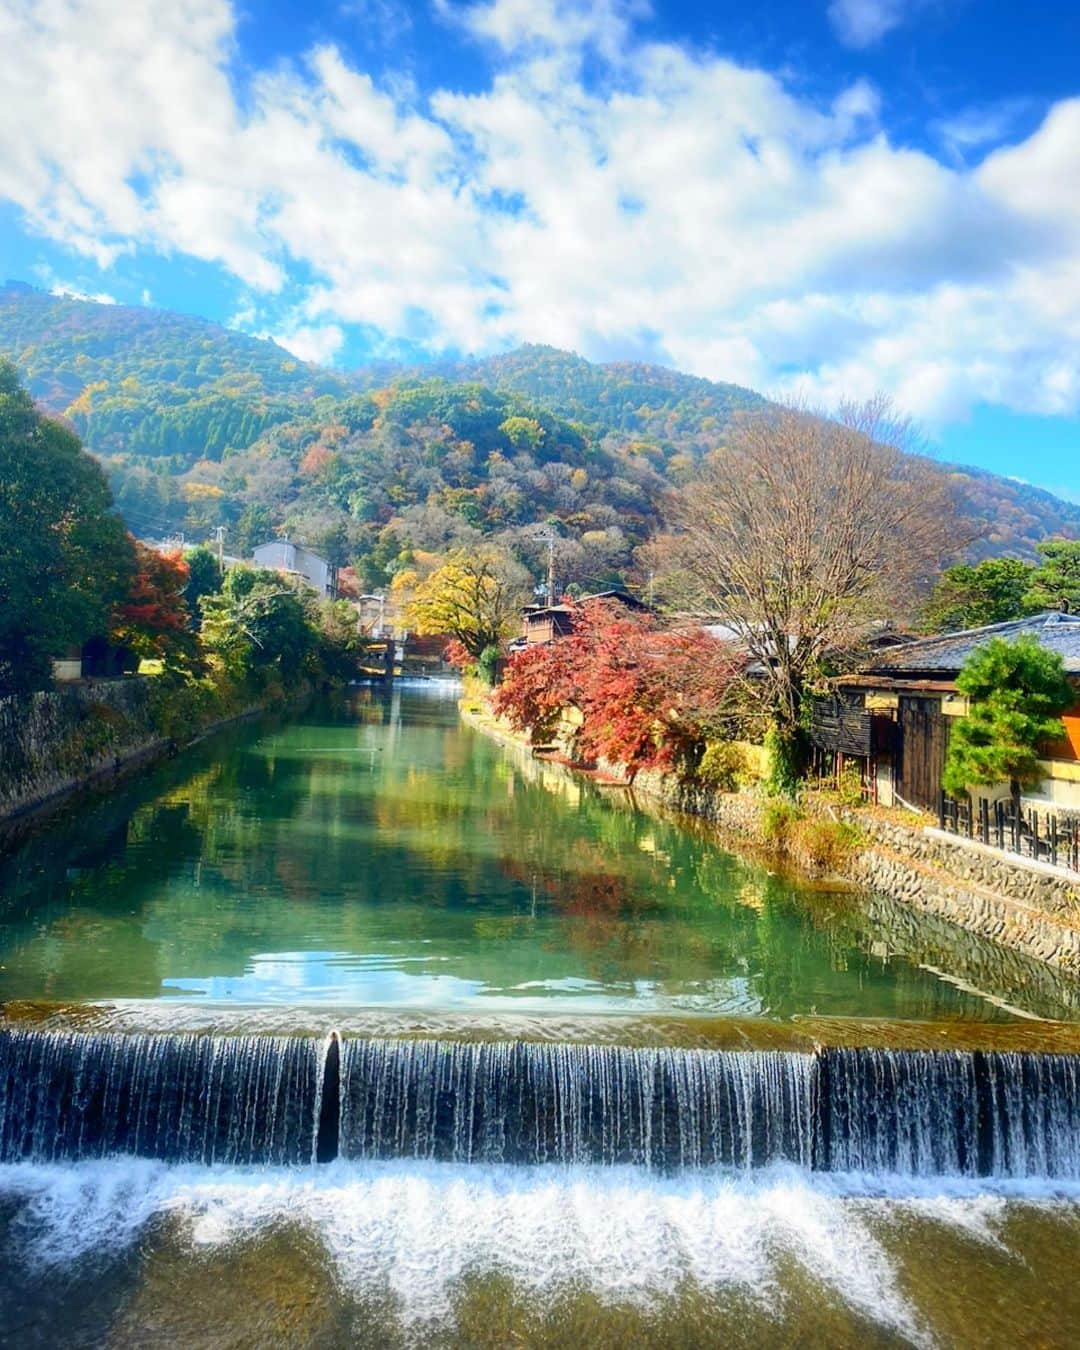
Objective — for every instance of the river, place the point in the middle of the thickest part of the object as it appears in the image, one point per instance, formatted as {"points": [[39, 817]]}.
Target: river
{"points": [[559, 1061]]}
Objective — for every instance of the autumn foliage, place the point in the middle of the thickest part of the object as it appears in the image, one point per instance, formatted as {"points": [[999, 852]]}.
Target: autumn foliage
{"points": [[646, 698], [153, 620]]}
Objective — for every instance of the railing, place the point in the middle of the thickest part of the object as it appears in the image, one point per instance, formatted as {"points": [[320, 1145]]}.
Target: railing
{"points": [[1043, 835]]}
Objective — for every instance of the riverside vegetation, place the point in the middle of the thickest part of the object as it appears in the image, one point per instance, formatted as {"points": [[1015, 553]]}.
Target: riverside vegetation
{"points": [[72, 576]]}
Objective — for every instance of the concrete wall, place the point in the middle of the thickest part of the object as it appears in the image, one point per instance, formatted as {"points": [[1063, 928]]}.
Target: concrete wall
{"points": [[281, 555]]}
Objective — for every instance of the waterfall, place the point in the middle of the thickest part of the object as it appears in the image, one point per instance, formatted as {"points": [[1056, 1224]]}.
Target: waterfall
{"points": [[230, 1099], [955, 1113], [289, 1100], [515, 1102]]}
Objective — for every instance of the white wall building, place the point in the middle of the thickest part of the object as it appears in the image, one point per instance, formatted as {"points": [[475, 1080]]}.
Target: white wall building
{"points": [[281, 555]]}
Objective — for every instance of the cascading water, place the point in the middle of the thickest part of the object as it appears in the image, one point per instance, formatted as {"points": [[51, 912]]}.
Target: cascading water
{"points": [[513, 1102], [948, 1113], [281, 1100], [229, 1099]]}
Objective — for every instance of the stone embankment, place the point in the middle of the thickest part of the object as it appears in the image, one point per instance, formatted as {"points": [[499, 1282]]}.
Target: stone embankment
{"points": [[82, 735], [1027, 907], [53, 742], [1006, 899]]}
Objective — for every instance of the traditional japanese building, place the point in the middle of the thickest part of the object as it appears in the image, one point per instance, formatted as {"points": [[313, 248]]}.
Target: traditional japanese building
{"points": [[895, 716]]}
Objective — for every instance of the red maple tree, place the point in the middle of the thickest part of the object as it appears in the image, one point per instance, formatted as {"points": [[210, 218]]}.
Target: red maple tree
{"points": [[647, 698], [153, 620]]}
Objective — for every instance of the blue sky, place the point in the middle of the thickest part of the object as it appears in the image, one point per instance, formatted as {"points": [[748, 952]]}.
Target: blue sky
{"points": [[824, 198]]}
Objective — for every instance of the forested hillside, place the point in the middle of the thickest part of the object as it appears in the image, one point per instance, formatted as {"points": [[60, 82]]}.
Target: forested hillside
{"points": [[627, 400], [147, 382], [199, 426]]}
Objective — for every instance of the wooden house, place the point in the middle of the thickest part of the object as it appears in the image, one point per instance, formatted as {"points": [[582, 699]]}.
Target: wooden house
{"points": [[545, 623], [894, 717]]}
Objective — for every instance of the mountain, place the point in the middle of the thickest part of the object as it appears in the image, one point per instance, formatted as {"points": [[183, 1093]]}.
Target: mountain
{"points": [[147, 382], [200, 427], [624, 399]]}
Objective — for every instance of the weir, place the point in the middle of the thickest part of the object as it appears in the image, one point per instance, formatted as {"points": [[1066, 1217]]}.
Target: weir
{"points": [[208, 1099], [68, 1095]]}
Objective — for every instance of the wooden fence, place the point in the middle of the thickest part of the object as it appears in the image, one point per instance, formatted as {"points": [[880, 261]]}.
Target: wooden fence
{"points": [[1044, 835]]}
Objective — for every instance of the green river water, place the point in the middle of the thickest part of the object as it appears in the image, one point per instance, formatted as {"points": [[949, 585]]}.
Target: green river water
{"points": [[380, 854], [376, 858]]}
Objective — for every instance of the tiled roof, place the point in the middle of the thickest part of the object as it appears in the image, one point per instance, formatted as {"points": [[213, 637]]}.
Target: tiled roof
{"points": [[947, 653]]}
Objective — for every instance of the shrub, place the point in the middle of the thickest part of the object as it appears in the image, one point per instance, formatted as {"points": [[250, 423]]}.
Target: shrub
{"points": [[724, 766], [849, 785], [782, 779], [778, 819], [822, 845]]}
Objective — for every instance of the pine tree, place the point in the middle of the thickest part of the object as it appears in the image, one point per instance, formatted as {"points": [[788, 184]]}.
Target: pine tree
{"points": [[1055, 583], [1018, 691]]}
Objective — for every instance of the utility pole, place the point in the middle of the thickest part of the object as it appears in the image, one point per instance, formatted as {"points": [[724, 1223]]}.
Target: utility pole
{"points": [[652, 578], [548, 538], [219, 535]]}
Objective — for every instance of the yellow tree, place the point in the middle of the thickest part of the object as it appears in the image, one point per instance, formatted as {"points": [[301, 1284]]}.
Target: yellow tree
{"points": [[474, 597]]}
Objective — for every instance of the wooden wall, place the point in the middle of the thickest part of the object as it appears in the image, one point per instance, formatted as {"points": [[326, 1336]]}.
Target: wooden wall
{"points": [[841, 722]]}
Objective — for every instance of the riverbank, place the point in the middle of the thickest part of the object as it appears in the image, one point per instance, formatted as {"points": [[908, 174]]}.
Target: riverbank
{"points": [[88, 738], [1027, 907]]}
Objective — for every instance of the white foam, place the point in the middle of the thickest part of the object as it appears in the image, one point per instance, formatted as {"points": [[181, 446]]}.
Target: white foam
{"points": [[416, 1229]]}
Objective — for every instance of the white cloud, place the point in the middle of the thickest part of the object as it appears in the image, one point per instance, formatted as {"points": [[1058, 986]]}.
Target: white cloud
{"points": [[681, 204], [317, 344], [73, 293], [861, 23], [983, 125], [564, 25], [378, 22]]}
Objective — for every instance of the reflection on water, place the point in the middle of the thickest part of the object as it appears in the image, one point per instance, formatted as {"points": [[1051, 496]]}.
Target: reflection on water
{"points": [[379, 854]]}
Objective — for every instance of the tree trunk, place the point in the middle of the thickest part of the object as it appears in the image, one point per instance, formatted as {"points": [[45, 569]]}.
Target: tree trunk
{"points": [[785, 760]]}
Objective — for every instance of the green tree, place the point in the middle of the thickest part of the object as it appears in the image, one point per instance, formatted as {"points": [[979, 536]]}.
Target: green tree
{"points": [[204, 578], [1017, 691], [66, 558], [1055, 583], [339, 640], [967, 596], [522, 432], [257, 623], [254, 526]]}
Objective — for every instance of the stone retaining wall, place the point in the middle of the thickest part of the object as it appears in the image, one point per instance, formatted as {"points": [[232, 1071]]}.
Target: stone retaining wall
{"points": [[1041, 887], [1004, 899], [990, 913], [59, 739]]}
